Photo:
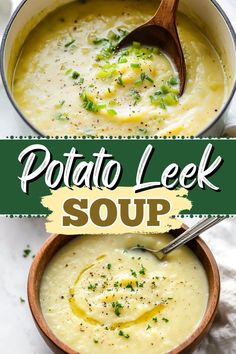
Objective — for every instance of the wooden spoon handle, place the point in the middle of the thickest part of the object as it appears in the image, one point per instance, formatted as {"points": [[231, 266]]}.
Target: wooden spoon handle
{"points": [[166, 13]]}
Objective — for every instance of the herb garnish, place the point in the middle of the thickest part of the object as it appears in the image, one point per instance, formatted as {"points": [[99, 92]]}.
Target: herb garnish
{"points": [[120, 81], [68, 44], [165, 320], [144, 77], [117, 306], [60, 116], [135, 66], [92, 287], [89, 104], [136, 96], [133, 273], [166, 95], [60, 104], [27, 251], [112, 112], [130, 286], [142, 271], [122, 334], [75, 75]]}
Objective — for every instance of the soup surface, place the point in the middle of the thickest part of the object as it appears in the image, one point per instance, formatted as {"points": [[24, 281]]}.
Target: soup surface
{"points": [[99, 297], [69, 79]]}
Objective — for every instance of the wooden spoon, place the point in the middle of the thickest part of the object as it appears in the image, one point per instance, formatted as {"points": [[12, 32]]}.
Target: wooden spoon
{"points": [[161, 32]]}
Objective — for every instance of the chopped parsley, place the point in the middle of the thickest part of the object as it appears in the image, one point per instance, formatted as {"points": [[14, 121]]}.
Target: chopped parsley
{"points": [[117, 306], [165, 320], [27, 251], [133, 273], [155, 319], [142, 271], [95, 341], [22, 300], [75, 75], [109, 266], [140, 285], [122, 334], [92, 287], [130, 286]]}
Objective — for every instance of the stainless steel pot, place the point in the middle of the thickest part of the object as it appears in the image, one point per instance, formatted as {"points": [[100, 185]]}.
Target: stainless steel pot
{"points": [[206, 13]]}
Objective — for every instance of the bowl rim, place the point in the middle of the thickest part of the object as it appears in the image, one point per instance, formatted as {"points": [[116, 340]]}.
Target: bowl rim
{"points": [[193, 340], [40, 133]]}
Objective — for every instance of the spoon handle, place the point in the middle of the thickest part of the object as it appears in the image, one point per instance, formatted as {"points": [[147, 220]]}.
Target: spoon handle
{"points": [[166, 13], [192, 233]]}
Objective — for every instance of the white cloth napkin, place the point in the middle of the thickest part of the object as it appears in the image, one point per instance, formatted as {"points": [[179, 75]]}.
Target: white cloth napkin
{"points": [[222, 337]]}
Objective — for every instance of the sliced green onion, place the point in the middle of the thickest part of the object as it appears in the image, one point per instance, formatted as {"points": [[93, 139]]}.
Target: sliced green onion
{"points": [[60, 116], [120, 81], [68, 71], [89, 104], [60, 104], [144, 132], [173, 81], [165, 89], [135, 66], [112, 112], [98, 41], [122, 60], [170, 99]]}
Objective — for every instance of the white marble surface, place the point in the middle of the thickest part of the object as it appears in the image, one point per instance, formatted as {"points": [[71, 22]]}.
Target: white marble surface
{"points": [[18, 334]]}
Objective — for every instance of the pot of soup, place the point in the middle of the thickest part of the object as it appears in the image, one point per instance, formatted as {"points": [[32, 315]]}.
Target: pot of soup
{"points": [[63, 75]]}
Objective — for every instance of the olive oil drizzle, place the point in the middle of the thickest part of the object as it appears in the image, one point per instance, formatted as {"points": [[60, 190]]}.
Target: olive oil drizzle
{"points": [[80, 313]]}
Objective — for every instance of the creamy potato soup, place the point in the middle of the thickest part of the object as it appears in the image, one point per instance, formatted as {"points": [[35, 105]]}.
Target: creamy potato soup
{"points": [[97, 296], [70, 80]]}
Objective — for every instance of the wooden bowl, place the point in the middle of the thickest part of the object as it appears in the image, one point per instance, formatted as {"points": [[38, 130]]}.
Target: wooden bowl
{"points": [[56, 242]]}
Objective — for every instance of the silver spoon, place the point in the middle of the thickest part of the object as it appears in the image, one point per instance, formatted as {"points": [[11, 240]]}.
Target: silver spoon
{"points": [[185, 237]]}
